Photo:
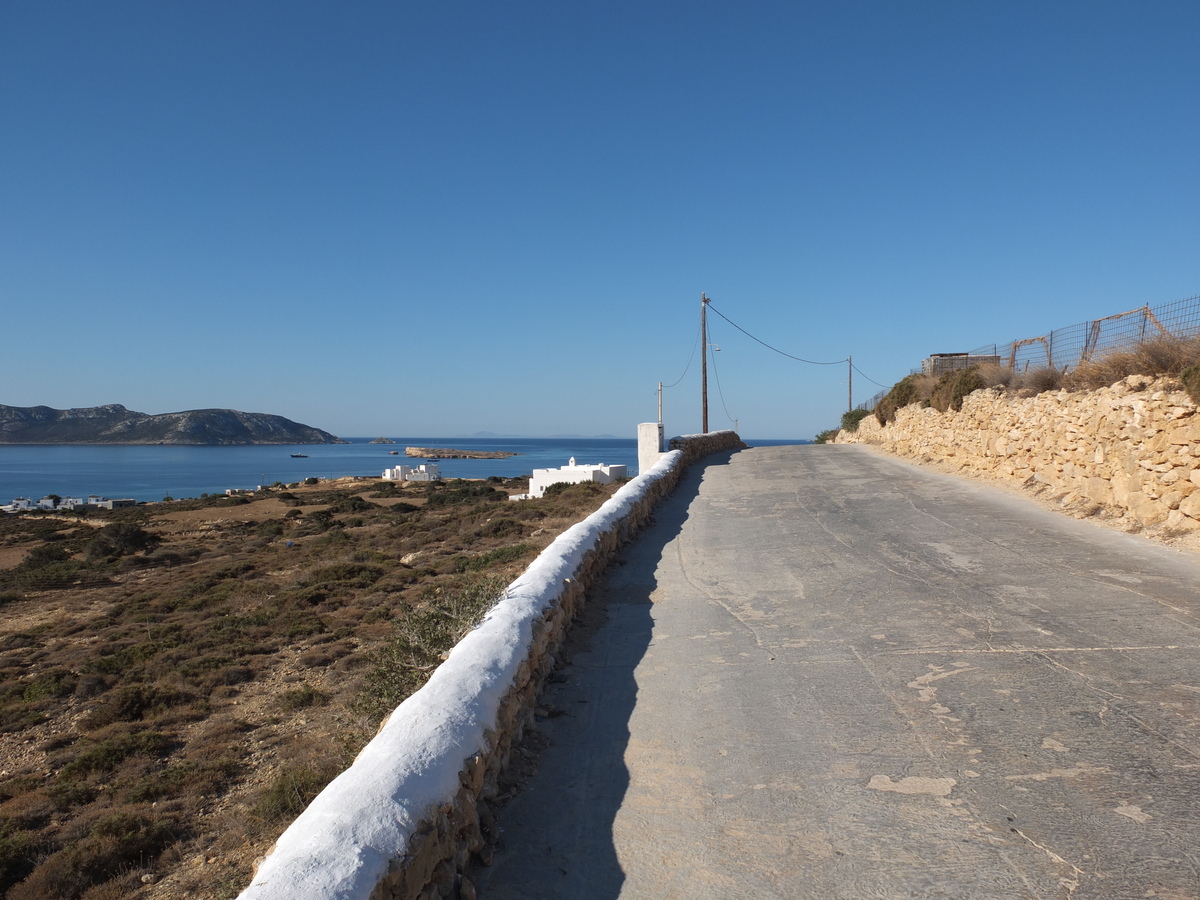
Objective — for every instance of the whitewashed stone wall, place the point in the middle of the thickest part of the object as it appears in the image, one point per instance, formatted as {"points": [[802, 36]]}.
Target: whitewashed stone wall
{"points": [[416, 807], [1133, 448]]}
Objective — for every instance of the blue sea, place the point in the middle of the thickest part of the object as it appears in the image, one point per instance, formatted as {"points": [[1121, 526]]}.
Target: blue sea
{"points": [[156, 471]]}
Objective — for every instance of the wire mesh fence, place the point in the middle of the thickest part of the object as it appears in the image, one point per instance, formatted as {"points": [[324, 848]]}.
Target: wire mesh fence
{"points": [[1065, 348]]}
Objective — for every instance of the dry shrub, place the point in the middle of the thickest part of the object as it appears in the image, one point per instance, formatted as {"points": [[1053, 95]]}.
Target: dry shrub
{"points": [[1162, 356], [1037, 381], [908, 390], [995, 375], [953, 387], [294, 785], [114, 845], [193, 638], [1191, 382]]}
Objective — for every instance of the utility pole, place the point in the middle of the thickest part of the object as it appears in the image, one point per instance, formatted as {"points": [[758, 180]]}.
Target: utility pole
{"points": [[849, 383], [660, 404], [703, 364]]}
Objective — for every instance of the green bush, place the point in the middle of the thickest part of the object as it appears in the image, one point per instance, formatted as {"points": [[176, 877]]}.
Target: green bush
{"points": [[463, 492], [826, 436], [347, 574], [952, 387], [120, 539], [582, 490], [909, 389], [851, 418], [419, 640], [353, 503], [107, 754]]}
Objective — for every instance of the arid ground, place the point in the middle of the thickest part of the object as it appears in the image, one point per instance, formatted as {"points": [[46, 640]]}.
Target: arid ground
{"points": [[179, 679]]}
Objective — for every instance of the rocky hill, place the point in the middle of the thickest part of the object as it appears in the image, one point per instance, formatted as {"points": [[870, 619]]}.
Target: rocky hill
{"points": [[114, 424]]}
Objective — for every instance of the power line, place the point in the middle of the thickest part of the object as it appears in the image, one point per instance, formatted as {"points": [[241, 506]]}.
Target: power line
{"points": [[868, 377], [720, 393], [690, 358], [836, 362]]}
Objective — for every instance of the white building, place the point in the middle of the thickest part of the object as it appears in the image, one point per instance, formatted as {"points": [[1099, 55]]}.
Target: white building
{"points": [[573, 474], [79, 502], [423, 472], [95, 500]]}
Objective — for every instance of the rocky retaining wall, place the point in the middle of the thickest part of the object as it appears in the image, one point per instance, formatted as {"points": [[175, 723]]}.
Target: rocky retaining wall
{"points": [[697, 446], [1131, 450], [405, 819]]}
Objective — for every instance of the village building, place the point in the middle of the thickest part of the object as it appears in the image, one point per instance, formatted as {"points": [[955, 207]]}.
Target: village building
{"points": [[572, 473], [95, 501], [423, 472]]}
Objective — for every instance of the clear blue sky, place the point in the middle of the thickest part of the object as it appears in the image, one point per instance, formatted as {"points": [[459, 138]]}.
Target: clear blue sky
{"points": [[438, 218]]}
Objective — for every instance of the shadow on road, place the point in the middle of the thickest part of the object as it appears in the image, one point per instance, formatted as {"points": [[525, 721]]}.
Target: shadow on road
{"points": [[556, 834]]}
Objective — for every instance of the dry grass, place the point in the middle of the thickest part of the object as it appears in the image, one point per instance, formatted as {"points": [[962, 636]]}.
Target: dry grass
{"points": [[1037, 381], [1164, 356], [1174, 357], [166, 707]]}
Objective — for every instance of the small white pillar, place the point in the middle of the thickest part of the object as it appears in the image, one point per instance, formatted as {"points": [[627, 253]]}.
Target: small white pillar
{"points": [[650, 442]]}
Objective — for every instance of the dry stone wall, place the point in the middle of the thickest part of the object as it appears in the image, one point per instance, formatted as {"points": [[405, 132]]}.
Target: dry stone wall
{"points": [[697, 446], [1131, 450]]}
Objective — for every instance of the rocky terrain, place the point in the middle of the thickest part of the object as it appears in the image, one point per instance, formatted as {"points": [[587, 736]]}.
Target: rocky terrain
{"points": [[114, 424]]}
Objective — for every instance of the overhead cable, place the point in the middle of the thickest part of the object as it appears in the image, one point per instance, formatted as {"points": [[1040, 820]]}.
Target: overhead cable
{"points": [[836, 362], [720, 393], [868, 377], [689, 362]]}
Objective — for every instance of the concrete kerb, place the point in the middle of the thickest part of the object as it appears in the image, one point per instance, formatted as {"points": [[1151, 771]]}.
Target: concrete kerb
{"points": [[402, 822]]}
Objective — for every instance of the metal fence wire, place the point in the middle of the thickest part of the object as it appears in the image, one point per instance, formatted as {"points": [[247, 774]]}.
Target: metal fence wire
{"points": [[1065, 348]]}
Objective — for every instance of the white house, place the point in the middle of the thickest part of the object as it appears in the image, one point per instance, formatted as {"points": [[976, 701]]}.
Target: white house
{"points": [[105, 503], [95, 500], [423, 472], [573, 474]]}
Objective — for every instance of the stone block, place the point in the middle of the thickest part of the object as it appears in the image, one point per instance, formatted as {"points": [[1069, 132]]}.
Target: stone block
{"points": [[1122, 486], [1190, 506], [1098, 490], [1182, 522]]}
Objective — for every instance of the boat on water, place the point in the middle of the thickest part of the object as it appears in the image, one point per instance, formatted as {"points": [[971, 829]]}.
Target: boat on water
{"points": [[299, 456]]}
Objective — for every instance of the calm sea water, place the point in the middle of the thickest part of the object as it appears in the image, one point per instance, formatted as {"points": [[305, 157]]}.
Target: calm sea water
{"points": [[154, 472]]}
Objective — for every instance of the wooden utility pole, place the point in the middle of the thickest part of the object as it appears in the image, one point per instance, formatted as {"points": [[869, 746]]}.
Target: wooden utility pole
{"points": [[703, 364], [849, 383]]}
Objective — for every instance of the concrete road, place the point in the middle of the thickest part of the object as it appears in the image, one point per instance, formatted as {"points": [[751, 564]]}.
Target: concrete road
{"points": [[823, 673]]}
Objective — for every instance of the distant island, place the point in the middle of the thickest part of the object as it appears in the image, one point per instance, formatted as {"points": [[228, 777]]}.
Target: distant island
{"points": [[114, 424], [433, 453]]}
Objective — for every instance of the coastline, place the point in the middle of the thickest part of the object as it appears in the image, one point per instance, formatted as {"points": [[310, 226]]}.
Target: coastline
{"points": [[152, 472]]}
